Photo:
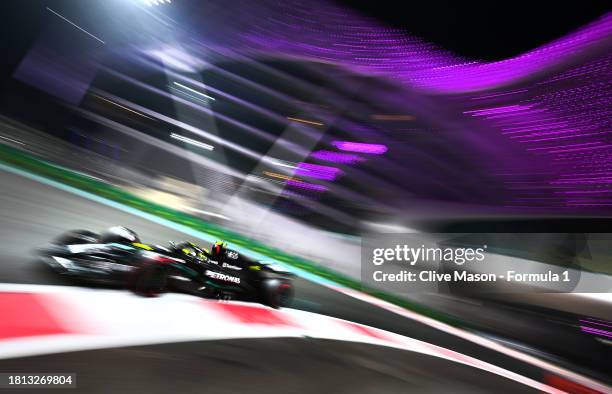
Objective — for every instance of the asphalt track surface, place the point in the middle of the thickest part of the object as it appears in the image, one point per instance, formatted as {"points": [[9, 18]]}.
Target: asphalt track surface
{"points": [[32, 213], [286, 365]]}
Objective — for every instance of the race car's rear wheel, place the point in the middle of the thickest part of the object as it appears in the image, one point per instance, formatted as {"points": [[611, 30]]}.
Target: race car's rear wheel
{"points": [[150, 280], [276, 293]]}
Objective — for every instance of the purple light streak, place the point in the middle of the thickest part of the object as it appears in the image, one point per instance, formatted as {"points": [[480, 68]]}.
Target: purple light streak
{"points": [[498, 110], [594, 322], [318, 171], [366, 46], [337, 157], [306, 185], [360, 147], [595, 331]]}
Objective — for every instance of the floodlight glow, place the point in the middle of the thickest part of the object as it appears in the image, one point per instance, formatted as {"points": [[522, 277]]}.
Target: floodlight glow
{"points": [[150, 3], [192, 142], [177, 59]]}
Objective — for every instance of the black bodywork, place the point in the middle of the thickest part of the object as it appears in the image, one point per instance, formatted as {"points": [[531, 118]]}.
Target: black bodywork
{"points": [[185, 267]]}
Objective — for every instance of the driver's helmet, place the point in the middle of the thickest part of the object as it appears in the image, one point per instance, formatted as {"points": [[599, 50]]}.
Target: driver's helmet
{"points": [[120, 235], [218, 249]]}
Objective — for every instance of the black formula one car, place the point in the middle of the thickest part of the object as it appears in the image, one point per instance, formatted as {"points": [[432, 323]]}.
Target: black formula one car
{"points": [[117, 257]]}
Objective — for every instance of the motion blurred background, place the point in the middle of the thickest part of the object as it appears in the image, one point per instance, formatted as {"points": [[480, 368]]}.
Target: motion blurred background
{"points": [[303, 126]]}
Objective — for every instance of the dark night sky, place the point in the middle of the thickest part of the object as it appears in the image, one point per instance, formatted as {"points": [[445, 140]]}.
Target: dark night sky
{"points": [[489, 30]]}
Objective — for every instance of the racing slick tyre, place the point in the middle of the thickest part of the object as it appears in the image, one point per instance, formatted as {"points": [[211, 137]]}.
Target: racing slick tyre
{"points": [[150, 280], [276, 293], [74, 237]]}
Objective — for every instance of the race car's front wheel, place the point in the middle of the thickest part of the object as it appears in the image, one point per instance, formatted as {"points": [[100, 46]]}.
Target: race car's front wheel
{"points": [[276, 293], [150, 280]]}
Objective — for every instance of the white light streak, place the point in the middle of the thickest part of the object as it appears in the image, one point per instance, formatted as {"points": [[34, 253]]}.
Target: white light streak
{"points": [[75, 25], [194, 91], [192, 142], [218, 215], [124, 107], [12, 140], [281, 163], [183, 93]]}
